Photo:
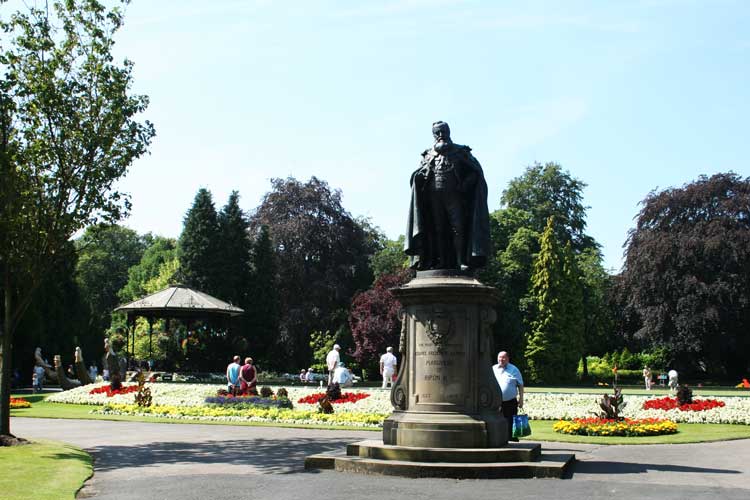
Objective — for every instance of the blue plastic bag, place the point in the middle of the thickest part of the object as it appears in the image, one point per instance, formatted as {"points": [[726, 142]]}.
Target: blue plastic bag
{"points": [[521, 427]]}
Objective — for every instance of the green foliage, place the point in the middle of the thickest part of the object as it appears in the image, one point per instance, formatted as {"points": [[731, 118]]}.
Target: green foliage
{"points": [[105, 255], [554, 342], [263, 310], [234, 269], [67, 133], [199, 246], [545, 191], [152, 270], [321, 344], [390, 259], [282, 393]]}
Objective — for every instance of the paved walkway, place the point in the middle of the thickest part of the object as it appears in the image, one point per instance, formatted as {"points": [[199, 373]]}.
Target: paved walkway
{"points": [[192, 461]]}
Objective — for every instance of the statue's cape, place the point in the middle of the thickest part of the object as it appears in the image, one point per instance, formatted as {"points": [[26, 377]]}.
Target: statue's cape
{"points": [[418, 225]]}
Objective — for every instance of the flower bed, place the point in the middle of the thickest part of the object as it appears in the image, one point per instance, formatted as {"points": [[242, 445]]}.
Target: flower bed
{"points": [[249, 401], [16, 403], [371, 405], [668, 403], [109, 392], [278, 415], [346, 397], [549, 406], [610, 427]]}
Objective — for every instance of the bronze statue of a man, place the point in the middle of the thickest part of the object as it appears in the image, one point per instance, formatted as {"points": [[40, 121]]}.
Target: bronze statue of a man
{"points": [[448, 225]]}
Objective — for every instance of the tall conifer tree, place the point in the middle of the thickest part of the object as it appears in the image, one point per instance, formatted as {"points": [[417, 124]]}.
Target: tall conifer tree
{"points": [[233, 278], [553, 345], [263, 311], [199, 245]]}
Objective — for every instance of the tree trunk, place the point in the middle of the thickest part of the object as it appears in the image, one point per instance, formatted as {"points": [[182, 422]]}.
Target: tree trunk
{"points": [[5, 356]]}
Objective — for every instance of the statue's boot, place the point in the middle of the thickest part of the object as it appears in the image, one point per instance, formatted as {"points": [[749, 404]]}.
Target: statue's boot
{"points": [[65, 383], [81, 370]]}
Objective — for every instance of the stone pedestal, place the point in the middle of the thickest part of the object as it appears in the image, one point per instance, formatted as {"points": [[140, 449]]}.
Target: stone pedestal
{"points": [[447, 420], [445, 395]]}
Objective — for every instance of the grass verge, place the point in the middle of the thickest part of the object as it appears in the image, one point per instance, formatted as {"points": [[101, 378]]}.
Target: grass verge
{"points": [[43, 469], [686, 433]]}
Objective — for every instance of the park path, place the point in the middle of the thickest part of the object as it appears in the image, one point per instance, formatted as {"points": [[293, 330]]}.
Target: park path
{"points": [[193, 461]]}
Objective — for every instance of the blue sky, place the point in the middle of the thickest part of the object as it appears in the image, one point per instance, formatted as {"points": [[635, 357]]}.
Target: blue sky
{"points": [[627, 96]]}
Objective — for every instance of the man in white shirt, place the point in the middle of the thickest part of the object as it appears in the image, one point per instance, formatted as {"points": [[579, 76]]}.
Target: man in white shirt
{"points": [[388, 364], [511, 388], [332, 361]]}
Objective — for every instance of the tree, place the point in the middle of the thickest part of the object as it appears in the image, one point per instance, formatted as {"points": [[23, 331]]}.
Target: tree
{"points": [[67, 133], [390, 259], [199, 247], [159, 252], [263, 311], [105, 255], [322, 256], [234, 277], [373, 318], [686, 273], [554, 342], [545, 191]]}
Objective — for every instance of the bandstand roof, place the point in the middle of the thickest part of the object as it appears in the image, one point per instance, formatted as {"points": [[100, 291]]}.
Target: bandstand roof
{"points": [[179, 301]]}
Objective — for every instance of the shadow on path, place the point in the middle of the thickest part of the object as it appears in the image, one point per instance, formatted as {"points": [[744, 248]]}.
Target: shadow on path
{"points": [[607, 467], [280, 456]]}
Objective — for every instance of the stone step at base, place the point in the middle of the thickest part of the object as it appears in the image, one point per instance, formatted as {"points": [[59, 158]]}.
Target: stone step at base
{"points": [[548, 466], [513, 452]]}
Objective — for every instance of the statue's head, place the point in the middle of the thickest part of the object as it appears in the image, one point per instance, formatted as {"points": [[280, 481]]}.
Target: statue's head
{"points": [[441, 131], [442, 134]]}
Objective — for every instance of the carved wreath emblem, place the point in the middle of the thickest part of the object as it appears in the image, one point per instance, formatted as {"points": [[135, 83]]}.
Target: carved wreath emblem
{"points": [[439, 329]]}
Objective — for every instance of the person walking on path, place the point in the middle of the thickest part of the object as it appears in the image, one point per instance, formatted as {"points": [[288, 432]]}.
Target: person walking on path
{"points": [[511, 388], [332, 361], [388, 364], [233, 375], [647, 377]]}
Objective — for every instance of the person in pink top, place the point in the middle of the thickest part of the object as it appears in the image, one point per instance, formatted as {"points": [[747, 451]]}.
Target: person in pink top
{"points": [[248, 377]]}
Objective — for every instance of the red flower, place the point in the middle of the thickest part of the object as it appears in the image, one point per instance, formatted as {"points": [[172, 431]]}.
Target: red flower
{"points": [[668, 403], [346, 397], [106, 389]]}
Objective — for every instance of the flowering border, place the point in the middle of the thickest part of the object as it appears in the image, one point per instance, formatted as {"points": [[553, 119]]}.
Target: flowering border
{"points": [[17, 403], [668, 403], [609, 427]]}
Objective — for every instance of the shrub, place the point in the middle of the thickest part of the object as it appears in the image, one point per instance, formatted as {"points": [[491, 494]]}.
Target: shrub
{"points": [[325, 406], [333, 392], [684, 395], [282, 393], [612, 406], [266, 392]]}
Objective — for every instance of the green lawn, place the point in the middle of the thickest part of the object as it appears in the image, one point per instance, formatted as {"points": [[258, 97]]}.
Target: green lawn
{"points": [[686, 433], [43, 469]]}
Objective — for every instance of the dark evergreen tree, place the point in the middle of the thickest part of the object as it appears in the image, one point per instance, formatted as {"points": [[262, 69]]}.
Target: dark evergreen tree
{"points": [[263, 309], [554, 340], [686, 274], [198, 247], [233, 258]]}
